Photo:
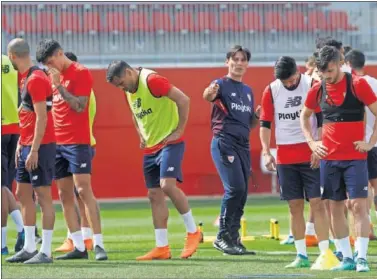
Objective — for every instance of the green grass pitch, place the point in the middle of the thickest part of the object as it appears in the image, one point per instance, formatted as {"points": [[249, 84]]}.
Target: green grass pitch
{"points": [[128, 233]]}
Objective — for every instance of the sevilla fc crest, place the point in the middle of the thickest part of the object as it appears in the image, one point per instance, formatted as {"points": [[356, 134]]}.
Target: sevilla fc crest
{"points": [[231, 159]]}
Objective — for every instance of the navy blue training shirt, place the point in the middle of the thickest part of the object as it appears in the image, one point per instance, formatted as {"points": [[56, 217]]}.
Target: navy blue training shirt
{"points": [[232, 111]]}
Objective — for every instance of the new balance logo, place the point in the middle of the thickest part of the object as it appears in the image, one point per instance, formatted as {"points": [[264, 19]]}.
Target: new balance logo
{"points": [[293, 102], [170, 169], [137, 103], [366, 188], [35, 177], [83, 165], [233, 94]]}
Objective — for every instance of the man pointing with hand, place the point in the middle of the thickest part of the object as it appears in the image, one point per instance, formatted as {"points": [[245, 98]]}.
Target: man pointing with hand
{"points": [[232, 118]]}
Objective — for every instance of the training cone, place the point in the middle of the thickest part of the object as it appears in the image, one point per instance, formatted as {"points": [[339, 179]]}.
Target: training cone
{"points": [[325, 261]]}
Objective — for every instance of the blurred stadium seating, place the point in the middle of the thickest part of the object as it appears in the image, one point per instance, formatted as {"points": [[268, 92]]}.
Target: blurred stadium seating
{"points": [[189, 33]]}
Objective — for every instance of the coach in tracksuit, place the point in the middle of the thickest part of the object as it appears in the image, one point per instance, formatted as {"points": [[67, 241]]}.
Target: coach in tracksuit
{"points": [[231, 120]]}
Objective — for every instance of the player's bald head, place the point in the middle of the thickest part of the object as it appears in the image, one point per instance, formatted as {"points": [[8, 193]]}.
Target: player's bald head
{"points": [[19, 47]]}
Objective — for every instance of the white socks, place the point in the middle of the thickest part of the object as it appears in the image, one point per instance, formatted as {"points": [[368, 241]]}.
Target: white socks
{"points": [[98, 240], [361, 246], [323, 246], [301, 247], [86, 233], [17, 219], [189, 222], [161, 237], [78, 241], [3, 237], [30, 245], [309, 229], [46, 242], [345, 247]]}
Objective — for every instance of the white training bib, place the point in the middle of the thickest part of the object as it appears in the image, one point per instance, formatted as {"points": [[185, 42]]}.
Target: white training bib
{"points": [[287, 106]]}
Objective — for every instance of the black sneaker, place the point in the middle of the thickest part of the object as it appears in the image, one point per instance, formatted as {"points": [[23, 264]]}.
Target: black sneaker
{"points": [[20, 241], [100, 253], [40, 258], [74, 255], [238, 244], [21, 256], [226, 245]]}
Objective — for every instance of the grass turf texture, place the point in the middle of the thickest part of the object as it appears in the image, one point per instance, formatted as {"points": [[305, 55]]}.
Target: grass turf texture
{"points": [[128, 233]]}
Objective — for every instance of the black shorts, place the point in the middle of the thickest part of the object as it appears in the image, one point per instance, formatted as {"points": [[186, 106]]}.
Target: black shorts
{"points": [[8, 166], [298, 181]]}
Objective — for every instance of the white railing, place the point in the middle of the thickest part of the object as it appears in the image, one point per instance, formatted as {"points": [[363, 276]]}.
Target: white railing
{"points": [[189, 34]]}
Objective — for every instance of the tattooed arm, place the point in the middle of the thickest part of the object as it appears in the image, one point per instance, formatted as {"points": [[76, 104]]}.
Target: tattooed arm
{"points": [[77, 103]]}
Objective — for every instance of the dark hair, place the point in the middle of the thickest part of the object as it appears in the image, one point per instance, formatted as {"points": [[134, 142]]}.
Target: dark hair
{"points": [[347, 49], [71, 56], [328, 41], [356, 59], [46, 48], [232, 52], [116, 69], [285, 67], [326, 55]]}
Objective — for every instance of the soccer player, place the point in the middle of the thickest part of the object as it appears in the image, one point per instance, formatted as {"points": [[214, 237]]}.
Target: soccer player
{"points": [[9, 138], [342, 98], [72, 84], [35, 153], [87, 233], [232, 118], [356, 60], [160, 112], [297, 168], [310, 65]]}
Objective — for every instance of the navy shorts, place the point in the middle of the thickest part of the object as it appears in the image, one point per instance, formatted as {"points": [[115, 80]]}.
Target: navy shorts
{"points": [[8, 166], [344, 179], [93, 150], [372, 163], [233, 165], [72, 159], [166, 163], [43, 175], [298, 181]]}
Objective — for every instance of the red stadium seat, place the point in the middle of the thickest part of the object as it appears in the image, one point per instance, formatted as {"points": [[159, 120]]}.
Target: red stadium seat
{"points": [[338, 20], [228, 21], [205, 21], [273, 22], [294, 21], [22, 22], [46, 22], [316, 21], [4, 22], [251, 22], [161, 22], [115, 22], [139, 22], [184, 21], [69, 22], [91, 22]]}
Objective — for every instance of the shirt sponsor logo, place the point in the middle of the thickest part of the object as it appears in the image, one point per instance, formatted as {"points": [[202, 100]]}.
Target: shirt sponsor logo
{"points": [[293, 102], [242, 108], [289, 116]]}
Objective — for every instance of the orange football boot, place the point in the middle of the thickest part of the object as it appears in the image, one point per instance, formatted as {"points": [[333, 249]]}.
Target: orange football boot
{"points": [[311, 240], [191, 244], [157, 253], [66, 247]]}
